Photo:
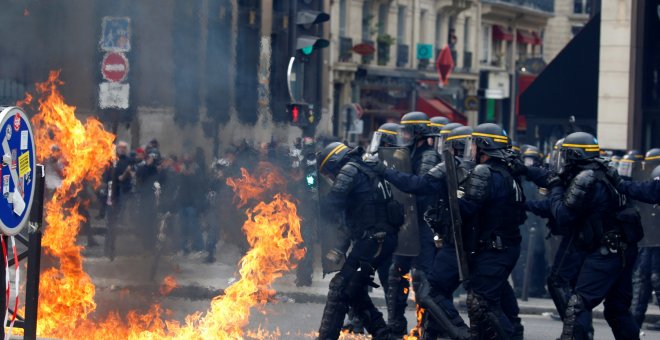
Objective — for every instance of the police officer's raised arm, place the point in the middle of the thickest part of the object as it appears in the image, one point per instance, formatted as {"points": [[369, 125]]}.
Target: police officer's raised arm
{"points": [[647, 191]]}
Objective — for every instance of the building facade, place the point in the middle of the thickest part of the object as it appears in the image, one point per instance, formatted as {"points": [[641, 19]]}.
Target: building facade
{"points": [[384, 57]]}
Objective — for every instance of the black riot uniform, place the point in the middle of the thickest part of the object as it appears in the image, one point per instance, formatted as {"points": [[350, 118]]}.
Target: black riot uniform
{"points": [[584, 197], [372, 219], [494, 202], [415, 134], [646, 275]]}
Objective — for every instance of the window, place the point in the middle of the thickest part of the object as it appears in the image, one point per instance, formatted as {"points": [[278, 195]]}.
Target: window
{"points": [[438, 32], [486, 44], [383, 12], [342, 18], [451, 33], [582, 6], [466, 35], [366, 20], [401, 25]]}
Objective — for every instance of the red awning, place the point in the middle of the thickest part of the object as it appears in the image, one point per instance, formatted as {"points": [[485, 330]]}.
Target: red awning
{"points": [[435, 107], [525, 37], [538, 39], [502, 33], [524, 81]]}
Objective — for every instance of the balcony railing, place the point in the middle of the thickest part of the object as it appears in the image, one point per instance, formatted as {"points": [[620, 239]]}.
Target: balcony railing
{"points": [[345, 49], [402, 52], [542, 5]]}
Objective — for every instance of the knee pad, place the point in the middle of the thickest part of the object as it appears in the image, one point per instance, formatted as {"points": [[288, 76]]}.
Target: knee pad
{"points": [[483, 321], [571, 328]]}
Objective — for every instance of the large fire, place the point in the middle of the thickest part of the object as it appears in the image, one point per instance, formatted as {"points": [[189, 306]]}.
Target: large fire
{"points": [[67, 293]]}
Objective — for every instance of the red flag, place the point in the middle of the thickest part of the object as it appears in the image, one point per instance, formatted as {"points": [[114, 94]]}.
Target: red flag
{"points": [[444, 65]]}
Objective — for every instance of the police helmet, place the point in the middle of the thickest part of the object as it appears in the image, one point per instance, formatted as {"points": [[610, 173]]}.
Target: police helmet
{"points": [[627, 165], [440, 139], [614, 161], [578, 147], [515, 148], [332, 157], [532, 156], [636, 154], [656, 172], [651, 158], [437, 123], [457, 137], [414, 127], [386, 135], [487, 138]]}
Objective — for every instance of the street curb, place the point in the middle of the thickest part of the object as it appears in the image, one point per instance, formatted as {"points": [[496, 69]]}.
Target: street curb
{"points": [[196, 292]]}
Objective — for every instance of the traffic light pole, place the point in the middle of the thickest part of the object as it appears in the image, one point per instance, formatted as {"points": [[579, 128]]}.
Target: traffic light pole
{"points": [[293, 8]]}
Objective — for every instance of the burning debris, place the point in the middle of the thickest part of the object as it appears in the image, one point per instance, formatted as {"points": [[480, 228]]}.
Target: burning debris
{"points": [[67, 293]]}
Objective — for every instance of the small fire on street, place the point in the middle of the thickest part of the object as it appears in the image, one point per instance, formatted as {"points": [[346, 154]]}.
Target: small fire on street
{"points": [[67, 293]]}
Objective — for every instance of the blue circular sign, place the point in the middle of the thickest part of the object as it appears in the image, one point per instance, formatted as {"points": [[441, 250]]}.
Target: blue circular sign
{"points": [[18, 168]]}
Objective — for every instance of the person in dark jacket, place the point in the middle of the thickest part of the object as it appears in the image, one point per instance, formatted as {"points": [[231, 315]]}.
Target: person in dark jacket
{"points": [[365, 201]]}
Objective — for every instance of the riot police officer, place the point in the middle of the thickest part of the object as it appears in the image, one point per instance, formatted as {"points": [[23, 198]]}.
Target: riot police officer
{"points": [[495, 203], [608, 230], [372, 219], [414, 134], [646, 275]]}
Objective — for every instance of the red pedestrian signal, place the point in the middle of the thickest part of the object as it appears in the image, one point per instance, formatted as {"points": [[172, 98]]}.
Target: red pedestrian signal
{"points": [[294, 114]]}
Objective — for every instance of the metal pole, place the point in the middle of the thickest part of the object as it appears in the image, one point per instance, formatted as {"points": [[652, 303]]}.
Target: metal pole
{"points": [[34, 255]]}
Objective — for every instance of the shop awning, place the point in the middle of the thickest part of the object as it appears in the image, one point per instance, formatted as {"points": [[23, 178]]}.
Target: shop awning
{"points": [[435, 107], [502, 33], [525, 37], [568, 86], [537, 37]]}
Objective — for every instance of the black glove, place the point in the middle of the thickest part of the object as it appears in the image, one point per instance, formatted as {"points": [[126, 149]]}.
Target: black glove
{"points": [[613, 176], [376, 165], [517, 167], [553, 180]]}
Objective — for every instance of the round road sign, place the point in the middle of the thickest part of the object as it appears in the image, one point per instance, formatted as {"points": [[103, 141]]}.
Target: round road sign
{"points": [[18, 168], [114, 67]]}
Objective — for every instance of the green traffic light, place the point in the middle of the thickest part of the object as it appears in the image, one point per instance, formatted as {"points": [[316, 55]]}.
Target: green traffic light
{"points": [[307, 50]]}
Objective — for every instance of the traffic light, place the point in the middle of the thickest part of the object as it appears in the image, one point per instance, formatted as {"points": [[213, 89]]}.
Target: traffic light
{"points": [[301, 114], [307, 39]]}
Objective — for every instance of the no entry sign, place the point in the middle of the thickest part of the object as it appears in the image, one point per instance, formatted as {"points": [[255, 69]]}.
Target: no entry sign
{"points": [[114, 67]]}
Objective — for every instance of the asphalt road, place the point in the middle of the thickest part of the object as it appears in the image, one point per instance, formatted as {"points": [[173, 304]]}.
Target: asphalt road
{"points": [[288, 319]]}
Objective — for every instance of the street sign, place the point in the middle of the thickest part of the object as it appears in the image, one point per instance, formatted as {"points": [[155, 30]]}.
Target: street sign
{"points": [[444, 65], [364, 49], [113, 95], [114, 67], [18, 169], [115, 34]]}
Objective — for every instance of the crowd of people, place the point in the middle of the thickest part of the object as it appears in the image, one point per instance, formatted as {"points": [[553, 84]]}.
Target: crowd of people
{"points": [[182, 204], [564, 226]]}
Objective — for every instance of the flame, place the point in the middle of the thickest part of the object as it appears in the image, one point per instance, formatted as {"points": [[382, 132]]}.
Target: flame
{"points": [[67, 292], [168, 285], [267, 179]]}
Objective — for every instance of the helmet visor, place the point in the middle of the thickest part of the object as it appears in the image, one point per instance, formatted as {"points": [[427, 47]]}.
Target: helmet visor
{"points": [[375, 142], [406, 135], [625, 168], [470, 152], [562, 161], [439, 143]]}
